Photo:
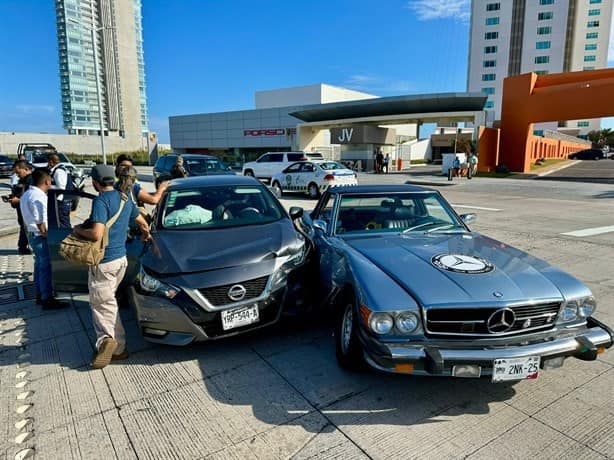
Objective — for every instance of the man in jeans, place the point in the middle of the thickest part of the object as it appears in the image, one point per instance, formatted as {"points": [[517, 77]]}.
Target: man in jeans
{"points": [[104, 278], [33, 205], [23, 172], [60, 179]]}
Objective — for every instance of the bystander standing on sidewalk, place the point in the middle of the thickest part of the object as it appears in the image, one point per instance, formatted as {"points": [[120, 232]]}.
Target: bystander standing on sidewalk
{"points": [[104, 278], [60, 179], [24, 180], [386, 162], [33, 204]]}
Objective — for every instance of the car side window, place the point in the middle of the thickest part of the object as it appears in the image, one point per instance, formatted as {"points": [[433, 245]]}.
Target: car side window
{"points": [[325, 211], [295, 156], [168, 162], [308, 167], [276, 157], [293, 168], [264, 159]]}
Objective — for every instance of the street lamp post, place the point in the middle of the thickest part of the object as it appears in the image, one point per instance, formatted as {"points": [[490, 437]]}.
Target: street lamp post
{"points": [[93, 31]]}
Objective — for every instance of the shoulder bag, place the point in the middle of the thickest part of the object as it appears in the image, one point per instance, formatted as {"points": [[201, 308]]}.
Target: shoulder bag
{"points": [[80, 251]]}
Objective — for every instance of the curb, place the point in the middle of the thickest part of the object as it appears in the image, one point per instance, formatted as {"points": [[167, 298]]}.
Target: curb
{"points": [[557, 169], [8, 231], [431, 183]]}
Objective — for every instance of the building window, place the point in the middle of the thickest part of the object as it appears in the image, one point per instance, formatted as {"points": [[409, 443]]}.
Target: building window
{"points": [[583, 124], [591, 58], [547, 30], [544, 16], [489, 105], [594, 12], [538, 132], [492, 21], [590, 47], [542, 59], [543, 45], [592, 35], [546, 2], [489, 77], [489, 90], [588, 67], [591, 24], [490, 49], [594, 2], [492, 63], [491, 35], [493, 6], [541, 72]]}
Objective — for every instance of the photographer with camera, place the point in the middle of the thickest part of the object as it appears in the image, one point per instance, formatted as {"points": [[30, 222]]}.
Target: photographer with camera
{"points": [[23, 172]]}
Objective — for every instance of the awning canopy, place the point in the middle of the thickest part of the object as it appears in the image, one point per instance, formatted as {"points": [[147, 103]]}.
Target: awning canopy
{"points": [[395, 105]]}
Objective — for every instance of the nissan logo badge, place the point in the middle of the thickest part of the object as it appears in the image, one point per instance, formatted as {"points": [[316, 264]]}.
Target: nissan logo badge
{"points": [[236, 292]]}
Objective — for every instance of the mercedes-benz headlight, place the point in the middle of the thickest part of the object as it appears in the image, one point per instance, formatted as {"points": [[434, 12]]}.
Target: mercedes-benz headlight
{"points": [[578, 308], [403, 322], [153, 286]]}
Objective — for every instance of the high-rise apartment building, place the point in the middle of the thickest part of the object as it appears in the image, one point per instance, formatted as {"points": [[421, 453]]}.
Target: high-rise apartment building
{"points": [[510, 37], [110, 32]]}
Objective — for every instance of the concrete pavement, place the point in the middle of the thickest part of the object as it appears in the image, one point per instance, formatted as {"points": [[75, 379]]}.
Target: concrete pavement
{"points": [[279, 393]]}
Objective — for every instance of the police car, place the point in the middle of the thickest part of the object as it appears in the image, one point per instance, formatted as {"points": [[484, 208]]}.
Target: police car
{"points": [[312, 177]]}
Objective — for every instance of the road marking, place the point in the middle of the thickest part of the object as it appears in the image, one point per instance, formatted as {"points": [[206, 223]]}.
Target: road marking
{"points": [[591, 231], [476, 207]]}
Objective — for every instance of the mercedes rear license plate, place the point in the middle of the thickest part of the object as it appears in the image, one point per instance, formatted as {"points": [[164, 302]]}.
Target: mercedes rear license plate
{"points": [[515, 369], [238, 317]]}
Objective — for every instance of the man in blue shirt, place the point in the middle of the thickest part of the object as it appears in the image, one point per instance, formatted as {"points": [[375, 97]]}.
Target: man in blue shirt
{"points": [[104, 278]]}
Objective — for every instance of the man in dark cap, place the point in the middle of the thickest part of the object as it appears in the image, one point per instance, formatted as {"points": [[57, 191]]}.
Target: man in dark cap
{"points": [[103, 279]]}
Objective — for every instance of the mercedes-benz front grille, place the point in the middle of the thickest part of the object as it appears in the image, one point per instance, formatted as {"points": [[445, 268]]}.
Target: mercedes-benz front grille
{"points": [[218, 295], [469, 321]]}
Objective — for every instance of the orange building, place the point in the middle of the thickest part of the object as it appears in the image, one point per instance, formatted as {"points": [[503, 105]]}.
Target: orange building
{"points": [[532, 98]]}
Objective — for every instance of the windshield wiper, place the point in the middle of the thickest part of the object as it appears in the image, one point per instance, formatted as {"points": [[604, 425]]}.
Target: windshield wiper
{"points": [[416, 227], [443, 227]]}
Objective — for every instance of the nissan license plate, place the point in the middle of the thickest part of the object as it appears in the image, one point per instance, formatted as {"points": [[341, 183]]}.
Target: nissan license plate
{"points": [[238, 317], [515, 369]]}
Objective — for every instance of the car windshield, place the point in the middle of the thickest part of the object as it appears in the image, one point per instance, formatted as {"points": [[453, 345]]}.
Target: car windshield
{"points": [[44, 158], [203, 166], [331, 165], [220, 207], [406, 213]]}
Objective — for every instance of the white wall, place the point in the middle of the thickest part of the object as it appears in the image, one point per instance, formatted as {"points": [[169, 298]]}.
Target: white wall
{"points": [[70, 143]]}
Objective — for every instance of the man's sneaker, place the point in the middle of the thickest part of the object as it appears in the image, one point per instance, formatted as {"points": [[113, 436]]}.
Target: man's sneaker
{"points": [[104, 354], [120, 357], [53, 304]]}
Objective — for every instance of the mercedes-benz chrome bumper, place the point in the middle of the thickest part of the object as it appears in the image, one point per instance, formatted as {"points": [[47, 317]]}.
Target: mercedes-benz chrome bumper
{"points": [[438, 358]]}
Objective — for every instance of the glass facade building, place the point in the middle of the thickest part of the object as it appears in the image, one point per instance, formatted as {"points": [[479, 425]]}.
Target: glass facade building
{"points": [[92, 30]]}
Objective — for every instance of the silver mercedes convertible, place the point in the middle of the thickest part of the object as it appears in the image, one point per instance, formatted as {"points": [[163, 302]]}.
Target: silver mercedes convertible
{"points": [[415, 291]]}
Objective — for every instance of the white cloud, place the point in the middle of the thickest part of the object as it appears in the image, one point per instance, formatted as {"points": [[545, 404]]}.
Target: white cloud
{"points": [[34, 108], [428, 10], [377, 84]]}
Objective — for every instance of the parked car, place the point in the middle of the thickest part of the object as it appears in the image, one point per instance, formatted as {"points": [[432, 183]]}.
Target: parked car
{"points": [[6, 166], [591, 154], [312, 177], [271, 163], [225, 258], [40, 159], [194, 164], [414, 290]]}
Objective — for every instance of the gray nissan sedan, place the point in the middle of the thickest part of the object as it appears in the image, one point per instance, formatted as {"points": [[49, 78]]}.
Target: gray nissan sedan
{"points": [[414, 290]]}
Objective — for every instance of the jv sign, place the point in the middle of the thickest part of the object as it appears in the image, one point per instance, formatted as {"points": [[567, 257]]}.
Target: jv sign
{"points": [[264, 132], [346, 135]]}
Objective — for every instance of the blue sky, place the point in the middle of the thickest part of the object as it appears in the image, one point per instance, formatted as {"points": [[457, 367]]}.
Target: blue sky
{"points": [[209, 56]]}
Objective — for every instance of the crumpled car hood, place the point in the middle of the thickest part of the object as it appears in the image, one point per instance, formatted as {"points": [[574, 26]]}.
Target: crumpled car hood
{"points": [[517, 276], [174, 252]]}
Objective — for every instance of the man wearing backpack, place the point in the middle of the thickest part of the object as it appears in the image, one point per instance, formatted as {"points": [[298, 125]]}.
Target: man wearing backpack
{"points": [[112, 211], [61, 181]]}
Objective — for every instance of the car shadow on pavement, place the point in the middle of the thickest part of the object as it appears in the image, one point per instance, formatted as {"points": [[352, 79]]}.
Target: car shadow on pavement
{"points": [[609, 194], [282, 375]]}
